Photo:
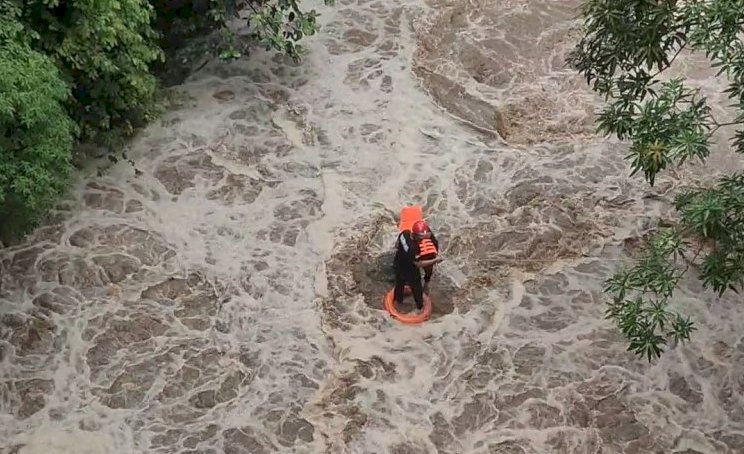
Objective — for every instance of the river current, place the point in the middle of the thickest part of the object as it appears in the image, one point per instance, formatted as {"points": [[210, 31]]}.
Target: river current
{"points": [[226, 297]]}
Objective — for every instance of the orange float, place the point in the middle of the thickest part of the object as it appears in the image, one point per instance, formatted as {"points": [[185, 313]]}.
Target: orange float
{"points": [[408, 319], [408, 215]]}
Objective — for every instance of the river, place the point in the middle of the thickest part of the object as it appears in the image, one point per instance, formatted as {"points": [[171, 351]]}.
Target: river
{"points": [[226, 296]]}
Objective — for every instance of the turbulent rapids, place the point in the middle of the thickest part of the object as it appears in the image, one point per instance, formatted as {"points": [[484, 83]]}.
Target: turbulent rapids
{"points": [[227, 296]]}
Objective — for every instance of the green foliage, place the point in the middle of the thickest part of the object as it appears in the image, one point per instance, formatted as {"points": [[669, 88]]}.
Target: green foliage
{"points": [[36, 134], [277, 24], [84, 70], [104, 48], [281, 23], [625, 47]]}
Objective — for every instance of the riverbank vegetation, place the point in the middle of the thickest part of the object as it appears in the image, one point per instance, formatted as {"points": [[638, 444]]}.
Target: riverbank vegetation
{"points": [[86, 71], [626, 47]]}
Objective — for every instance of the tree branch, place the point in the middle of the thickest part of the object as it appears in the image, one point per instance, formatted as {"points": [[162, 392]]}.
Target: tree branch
{"points": [[720, 125], [676, 54]]}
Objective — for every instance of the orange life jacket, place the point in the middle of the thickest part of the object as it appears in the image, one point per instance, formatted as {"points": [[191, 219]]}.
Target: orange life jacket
{"points": [[427, 250]]}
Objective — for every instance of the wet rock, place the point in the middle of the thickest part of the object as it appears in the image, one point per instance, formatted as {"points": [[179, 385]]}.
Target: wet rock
{"points": [[509, 399], [193, 300], [224, 95], [442, 433], [117, 267], [171, 288], [286, 235], [75, 272], [239, 188], [477, 413], [200, 368], [101, 197], [26, 397], [301, 381], [60, 301], [458, 102], [729, 394], [134, 206], [205, 434], [238, 114], [360, 72], [734, 441], [169, 438], [250, 359], [510, 447], [308, 206], [230, 387], [359, 38], [646, 443], [367, 129], [187, 377], [680, 387], [524, 192], [553, 320], [294, 428], [376, 368], [24, 260], [483, 170], [29, 334], [578, 413], [246, 130], [179, 173], [386, 86], [616, 422], [490, 365], [246, 441], [82, 238], [119, 333], [132, 385], [255, 154], [145, 246], [204, 399], [527, 358], [511, 46], [543, 415], [182, 414], [407, 449], [570, 441], [197, 324], [341, 399]]}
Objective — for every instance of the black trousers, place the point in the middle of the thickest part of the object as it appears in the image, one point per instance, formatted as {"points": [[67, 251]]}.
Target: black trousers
{"points": [[410, 276]]}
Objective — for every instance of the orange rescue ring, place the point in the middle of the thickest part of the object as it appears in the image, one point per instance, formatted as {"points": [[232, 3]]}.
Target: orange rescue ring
{"points": [[389, 302]]}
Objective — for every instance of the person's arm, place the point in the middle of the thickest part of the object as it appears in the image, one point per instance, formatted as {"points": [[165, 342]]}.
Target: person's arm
{"points": [[427, 263]]}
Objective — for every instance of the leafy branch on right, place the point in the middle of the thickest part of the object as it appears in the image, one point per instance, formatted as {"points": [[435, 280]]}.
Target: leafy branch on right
{"points": [[625, 47]]}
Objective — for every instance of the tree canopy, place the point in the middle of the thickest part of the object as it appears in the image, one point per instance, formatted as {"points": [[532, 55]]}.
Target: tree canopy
{"points": [[85, 71], [625, 48], [36, 133]]}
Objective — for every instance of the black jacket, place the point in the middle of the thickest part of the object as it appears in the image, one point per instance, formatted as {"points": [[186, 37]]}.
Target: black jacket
{"points": [[406, 250]]}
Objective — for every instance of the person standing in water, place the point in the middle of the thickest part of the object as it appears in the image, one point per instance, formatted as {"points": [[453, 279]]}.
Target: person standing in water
{"points": [[416, 249]]}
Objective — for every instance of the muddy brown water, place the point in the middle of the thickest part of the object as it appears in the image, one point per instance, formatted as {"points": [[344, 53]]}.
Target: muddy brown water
{"points": [[227, 299]]}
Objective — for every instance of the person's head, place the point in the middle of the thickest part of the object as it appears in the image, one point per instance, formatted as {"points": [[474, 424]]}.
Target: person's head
{"points": [[420, 230]]}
